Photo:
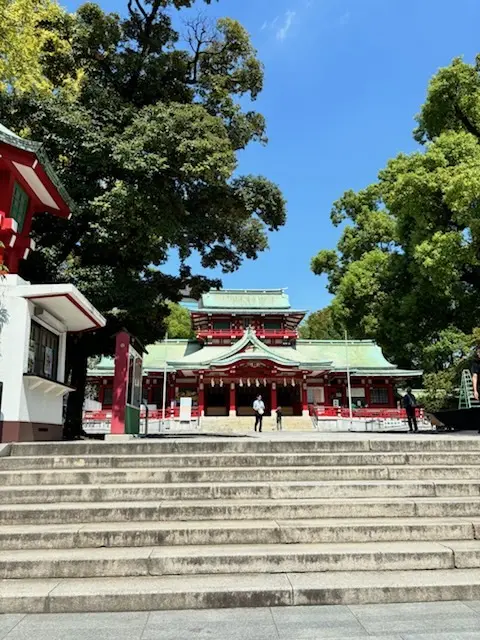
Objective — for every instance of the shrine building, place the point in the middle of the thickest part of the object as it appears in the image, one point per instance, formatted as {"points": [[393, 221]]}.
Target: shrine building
{"points": [[246, 345]]}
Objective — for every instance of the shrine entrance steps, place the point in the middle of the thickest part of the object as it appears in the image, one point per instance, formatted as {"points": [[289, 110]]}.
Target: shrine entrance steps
{"points": [[245, 424], [239, 522]]}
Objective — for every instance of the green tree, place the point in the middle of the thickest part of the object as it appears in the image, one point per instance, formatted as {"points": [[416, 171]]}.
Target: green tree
{"points": [[147, 150], [406, 270], [321, 325], [179, 322], [31, 31]]}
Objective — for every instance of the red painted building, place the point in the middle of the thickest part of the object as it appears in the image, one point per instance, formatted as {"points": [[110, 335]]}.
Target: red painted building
{"points": [[247, 344], [28, 186]]}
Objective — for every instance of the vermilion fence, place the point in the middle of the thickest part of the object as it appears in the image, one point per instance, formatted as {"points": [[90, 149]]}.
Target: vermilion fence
{"points": [[153, 414], [342, 412]]}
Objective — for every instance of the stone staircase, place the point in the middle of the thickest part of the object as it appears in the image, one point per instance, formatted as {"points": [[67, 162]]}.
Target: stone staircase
{"points": [[245, 424], [239, 522]]}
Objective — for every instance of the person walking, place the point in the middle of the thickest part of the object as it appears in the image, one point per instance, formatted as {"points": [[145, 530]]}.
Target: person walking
{"points": [[410, 405], [279, 418], [259, 408]]}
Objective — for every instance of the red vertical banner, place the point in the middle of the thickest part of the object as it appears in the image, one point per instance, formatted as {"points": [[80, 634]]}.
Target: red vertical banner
{"points": [[233, 400], [304, 399], [201, 397], [273, 396], [120, 382]]}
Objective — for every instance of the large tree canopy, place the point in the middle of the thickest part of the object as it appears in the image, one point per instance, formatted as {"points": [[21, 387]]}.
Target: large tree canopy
{"points": [[147, 149], [407, 267], [320, 325]]}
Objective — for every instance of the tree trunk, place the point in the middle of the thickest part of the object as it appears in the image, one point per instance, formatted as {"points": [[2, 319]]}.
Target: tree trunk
{"points": [[77, 358]]}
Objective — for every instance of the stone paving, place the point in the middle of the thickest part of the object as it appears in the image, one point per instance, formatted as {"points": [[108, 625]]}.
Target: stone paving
{"points": [[412, 621]]}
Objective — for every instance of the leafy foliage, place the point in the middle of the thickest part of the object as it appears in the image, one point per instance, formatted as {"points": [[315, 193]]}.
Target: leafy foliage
{"points": [[147, 150], [406, 271], [179, 322], [321, 325], [33, 33]]}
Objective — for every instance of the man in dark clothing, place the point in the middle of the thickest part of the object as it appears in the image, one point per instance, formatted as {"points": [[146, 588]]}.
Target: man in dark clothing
{"points": [[410, 404], [475, 372]]}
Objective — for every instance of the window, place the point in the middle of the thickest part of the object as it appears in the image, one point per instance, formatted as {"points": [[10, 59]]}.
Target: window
{"points": [[315, 395], [221, 324], [134, 389], [18, 210], [43, 352], [358, 397], [272, 324], [379, 396]]}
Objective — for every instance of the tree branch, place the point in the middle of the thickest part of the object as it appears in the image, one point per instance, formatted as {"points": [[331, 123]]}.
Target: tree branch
{"points": [[466, 122]]}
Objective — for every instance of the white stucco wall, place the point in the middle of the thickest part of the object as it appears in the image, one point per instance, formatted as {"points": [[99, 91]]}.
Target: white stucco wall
{"points": [[19, 402], [14, 336]]}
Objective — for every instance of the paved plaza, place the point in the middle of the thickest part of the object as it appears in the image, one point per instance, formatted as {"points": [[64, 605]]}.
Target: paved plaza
{"points": [[413, 621]]}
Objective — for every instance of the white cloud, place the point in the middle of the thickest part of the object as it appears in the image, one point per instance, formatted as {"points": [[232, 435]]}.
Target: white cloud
{"points": [[270, 24], [283, 30]]}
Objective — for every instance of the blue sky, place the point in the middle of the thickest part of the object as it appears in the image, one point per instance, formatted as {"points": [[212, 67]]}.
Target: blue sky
{"points": [[343, 82]]}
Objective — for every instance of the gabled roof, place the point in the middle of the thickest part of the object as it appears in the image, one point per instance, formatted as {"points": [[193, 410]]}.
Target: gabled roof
{"points": [[245, 299], [249, 347], [364, 356], [36, 148]]}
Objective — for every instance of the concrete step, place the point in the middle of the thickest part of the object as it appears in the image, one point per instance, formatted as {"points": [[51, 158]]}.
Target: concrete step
{"points": [[245, 424], [234, 474], [226, 559], [236, 590], [239, 460], [315, 443], [247, 490], [220, 532], [249, 509]]}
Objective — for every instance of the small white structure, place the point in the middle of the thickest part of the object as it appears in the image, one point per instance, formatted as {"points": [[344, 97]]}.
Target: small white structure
{"points": [[34, 322]]}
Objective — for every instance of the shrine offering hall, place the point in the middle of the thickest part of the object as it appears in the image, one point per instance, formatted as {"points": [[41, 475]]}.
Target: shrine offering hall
{"points": [[247, 345]]}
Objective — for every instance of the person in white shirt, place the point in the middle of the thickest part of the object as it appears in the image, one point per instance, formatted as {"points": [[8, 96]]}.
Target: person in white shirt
{"points": [[259, 408]]}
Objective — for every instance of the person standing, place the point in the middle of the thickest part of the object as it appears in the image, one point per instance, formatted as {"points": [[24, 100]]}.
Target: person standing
{"points": [[410, 405], [476, 371], [279, 418], [259, 408]]}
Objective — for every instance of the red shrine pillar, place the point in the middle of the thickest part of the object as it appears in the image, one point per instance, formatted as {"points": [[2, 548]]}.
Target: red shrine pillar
{"points": [[127, 386], [273, 396], [233, 403], [120, 382]]}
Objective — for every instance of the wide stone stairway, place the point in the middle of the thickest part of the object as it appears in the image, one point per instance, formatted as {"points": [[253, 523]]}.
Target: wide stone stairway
{"points": [[239, 522]]}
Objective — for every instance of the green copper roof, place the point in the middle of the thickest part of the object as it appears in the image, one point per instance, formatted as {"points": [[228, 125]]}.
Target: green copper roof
{"points": [[10, 138], [364, 357], [245, 299]]}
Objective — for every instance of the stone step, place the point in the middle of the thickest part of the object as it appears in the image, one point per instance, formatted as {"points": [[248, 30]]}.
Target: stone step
{"points": [[242, 460], [226, 559], [236, 590], [250, 509], [314, 443], [178, 533], [234, 474], [246, 490]]}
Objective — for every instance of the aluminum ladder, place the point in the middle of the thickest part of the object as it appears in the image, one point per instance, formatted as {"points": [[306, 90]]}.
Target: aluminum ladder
{"points": [[466, 399]]}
